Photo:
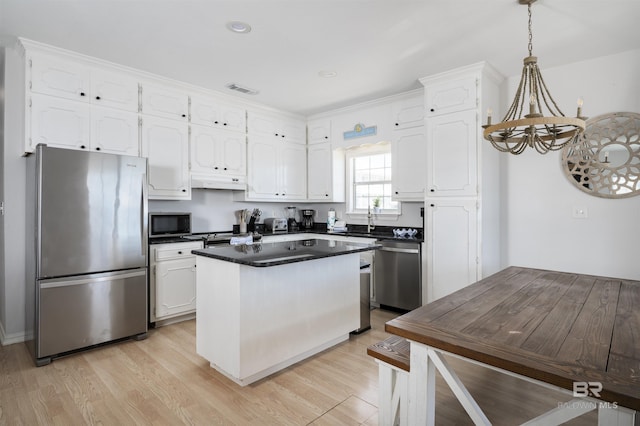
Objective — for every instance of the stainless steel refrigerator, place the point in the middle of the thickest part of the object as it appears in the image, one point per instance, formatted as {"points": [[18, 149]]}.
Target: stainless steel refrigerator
{"points": [[86, 250]]}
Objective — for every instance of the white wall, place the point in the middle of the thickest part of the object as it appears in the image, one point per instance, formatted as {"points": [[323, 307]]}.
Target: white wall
{"points": [[540, 229]]}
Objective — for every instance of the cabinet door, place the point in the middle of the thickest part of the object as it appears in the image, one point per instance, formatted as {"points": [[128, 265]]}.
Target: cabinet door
{"points": [[114, 90], [59, 122], [262, 172], [163, 102], [57, 77], [452, 154], [319, 131], [217, 151], [294, 131], [263, 125], [408, 157], [408, 113], [165, 143], [209, 111], [451, 96], [451, 240], [114, 131], [319, 172], [233, 148], [293, 171], [175, 287]]}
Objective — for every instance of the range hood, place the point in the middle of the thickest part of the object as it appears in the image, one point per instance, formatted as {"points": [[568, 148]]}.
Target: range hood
{"points": [[218, 182]]}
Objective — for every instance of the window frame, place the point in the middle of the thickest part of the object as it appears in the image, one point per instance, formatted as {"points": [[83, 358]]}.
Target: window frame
{"points": [[365, 151]]}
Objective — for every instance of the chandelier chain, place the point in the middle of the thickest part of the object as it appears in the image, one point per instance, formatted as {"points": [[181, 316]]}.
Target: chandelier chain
{"points": [[530, 33]]}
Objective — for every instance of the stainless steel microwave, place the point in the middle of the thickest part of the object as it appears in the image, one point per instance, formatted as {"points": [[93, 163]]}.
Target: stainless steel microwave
{"points": [[163, 224]]}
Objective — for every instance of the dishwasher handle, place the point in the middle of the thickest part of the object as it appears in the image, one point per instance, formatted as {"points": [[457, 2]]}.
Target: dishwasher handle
{"points": [[400, 250]]}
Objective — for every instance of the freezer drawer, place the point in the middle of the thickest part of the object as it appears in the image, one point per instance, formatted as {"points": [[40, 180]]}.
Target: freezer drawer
{"points": [[81, 311]]}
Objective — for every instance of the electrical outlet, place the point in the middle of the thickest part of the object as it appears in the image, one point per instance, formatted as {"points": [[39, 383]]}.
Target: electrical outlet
{"points": [[580, 212]]}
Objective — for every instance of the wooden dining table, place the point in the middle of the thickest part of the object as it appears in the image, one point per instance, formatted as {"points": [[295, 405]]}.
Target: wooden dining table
{"points": [[574, 332]]}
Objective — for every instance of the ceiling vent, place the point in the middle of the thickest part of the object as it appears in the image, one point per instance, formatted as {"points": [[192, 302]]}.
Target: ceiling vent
{"points": [[241, 89]]}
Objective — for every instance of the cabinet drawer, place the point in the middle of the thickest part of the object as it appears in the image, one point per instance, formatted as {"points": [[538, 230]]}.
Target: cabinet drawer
{"points": [[175, 250]]}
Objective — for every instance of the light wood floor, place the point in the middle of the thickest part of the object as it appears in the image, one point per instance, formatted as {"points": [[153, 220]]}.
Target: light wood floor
{"points": [[162, 381]]}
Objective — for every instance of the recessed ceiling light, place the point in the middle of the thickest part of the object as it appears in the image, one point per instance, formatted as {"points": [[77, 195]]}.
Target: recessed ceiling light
{"points": [[327, 73], [238, 27]]}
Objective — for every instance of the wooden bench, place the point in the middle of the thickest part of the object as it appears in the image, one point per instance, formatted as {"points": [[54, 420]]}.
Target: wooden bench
{"points": [[392, 356]]}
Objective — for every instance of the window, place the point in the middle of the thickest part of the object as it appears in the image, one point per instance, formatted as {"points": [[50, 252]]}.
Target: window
{"points": [[369, 185]]}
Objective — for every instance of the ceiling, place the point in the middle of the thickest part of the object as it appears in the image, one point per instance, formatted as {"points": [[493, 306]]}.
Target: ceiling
{"points": [[376, 47]]}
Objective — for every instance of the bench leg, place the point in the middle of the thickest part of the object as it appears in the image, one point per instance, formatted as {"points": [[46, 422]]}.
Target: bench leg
{"points": [[392, 395]]}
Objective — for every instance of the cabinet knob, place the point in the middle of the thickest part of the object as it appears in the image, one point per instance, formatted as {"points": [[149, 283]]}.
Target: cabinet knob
{"points": [[179, 252], [277, 193], [397, 124], [432, 109], [184, 190], [224, 124], [432, 205], [215, 168], [396, 192], [432, 190], [282, 136], [98, 97], [184, 115], [326, 137], [326, 195], [224, 168], [81, 93], [215, 122], [97, 148], [277, 134], [82, 146]]}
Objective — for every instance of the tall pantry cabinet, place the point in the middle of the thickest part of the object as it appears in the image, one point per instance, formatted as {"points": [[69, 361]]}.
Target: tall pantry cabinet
{"points": [[462, 203]]}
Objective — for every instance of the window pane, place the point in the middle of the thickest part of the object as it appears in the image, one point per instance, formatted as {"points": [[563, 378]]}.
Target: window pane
{"points": [[377, 161], [378, 174], [362, 175], [361, 163]]}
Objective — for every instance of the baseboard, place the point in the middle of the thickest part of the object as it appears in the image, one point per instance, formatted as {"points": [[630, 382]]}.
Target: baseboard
{"points": [[10, 339]]}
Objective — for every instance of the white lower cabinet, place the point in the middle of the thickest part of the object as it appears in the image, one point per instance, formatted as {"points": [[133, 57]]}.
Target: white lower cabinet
{"points": [[172, 280], [452, 246]]}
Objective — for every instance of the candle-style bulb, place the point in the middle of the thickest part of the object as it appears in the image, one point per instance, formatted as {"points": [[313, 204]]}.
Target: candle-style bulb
{"points": [[580, 102], [532, 104], [489, 111]]}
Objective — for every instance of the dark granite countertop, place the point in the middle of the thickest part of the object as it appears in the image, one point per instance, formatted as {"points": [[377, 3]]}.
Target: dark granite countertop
{"points": [[273, 254]]}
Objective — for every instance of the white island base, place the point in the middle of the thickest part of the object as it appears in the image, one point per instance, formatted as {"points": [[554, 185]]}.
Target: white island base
{"points": [[254, 321]]}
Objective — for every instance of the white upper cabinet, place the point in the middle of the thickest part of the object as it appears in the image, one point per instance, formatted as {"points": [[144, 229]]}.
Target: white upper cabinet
{"points": [[59, 77], [208, 111], [408, 113], [451, 96], [318, 131], [325, 173], [276, 171], [165, 143], [114, 90], [277, 128], [59, 123], [83, 83], [114, 131], [161, 101], [451, 156], [218, 158], [408, 157]]}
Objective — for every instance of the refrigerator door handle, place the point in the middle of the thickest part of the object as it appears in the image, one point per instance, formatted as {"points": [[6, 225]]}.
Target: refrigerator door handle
{"points": [[82, 281], [144, 216]]}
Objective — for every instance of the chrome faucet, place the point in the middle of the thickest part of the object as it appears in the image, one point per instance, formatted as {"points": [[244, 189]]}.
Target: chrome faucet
{"points": [[370, 225]]}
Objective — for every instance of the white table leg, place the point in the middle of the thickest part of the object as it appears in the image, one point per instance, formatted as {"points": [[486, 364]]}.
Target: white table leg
{"points": [[422, 387]]}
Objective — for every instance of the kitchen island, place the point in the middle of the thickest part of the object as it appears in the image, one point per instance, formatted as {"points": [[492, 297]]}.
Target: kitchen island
{"points": [[263, 307]]}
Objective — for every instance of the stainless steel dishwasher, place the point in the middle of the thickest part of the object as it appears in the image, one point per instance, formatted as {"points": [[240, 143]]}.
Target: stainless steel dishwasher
{"points": [[397, 277]]}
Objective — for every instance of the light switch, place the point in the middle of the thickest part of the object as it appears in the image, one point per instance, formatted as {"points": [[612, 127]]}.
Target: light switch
{"points": [[580, 212]]}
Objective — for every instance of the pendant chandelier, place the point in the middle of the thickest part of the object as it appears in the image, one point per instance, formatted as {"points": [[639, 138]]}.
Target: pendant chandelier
{"points": [[545, 128]]}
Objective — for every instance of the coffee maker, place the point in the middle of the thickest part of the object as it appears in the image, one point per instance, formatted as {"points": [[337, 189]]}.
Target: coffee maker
{"points": [[307, 218], [291, 218]]}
